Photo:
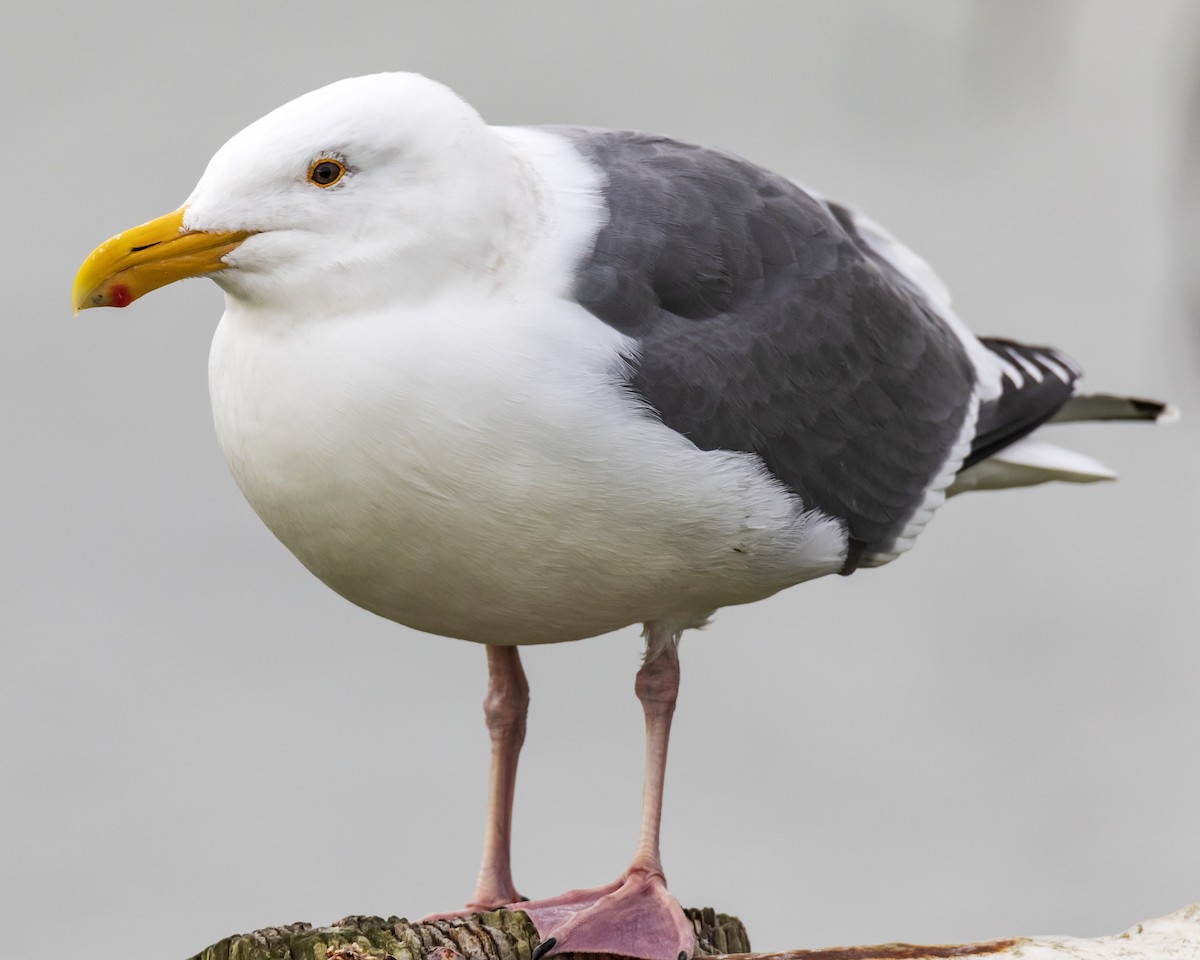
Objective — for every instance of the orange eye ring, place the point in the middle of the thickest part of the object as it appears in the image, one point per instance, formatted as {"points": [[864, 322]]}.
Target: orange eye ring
{"points": [[326, 171]]}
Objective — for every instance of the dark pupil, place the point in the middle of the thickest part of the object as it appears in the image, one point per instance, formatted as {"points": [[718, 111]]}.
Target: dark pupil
{"points": [[325, 172]]}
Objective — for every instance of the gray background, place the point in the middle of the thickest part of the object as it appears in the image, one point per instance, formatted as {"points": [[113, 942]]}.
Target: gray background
{"points": [[998, 734]]}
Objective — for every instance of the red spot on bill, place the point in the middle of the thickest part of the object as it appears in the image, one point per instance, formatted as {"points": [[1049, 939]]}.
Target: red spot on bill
{"points": [[119, 295]]}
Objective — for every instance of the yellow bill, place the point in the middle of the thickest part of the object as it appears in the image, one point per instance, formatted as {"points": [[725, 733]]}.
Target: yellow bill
{"points": [[148, 257]]}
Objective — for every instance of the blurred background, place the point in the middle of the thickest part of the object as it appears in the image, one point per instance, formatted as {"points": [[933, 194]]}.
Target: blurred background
{"points": [[999, 734]]}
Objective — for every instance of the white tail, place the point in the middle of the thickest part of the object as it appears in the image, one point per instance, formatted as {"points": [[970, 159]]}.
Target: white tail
{"points": [[1031, 461], [1028, 462]]}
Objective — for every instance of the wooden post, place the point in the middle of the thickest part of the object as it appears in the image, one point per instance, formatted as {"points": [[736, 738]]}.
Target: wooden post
{"points": [[498, 935], [504, 935]]}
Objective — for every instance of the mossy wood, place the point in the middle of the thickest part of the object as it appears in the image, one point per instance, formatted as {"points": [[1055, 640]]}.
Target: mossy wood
{"points": [[499, 935]]}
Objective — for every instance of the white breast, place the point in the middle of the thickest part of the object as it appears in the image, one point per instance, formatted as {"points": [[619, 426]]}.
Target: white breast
{"points": [[476, 469]]}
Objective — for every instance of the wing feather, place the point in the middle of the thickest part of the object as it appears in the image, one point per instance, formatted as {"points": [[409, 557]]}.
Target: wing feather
{"points": [[765, 326]]}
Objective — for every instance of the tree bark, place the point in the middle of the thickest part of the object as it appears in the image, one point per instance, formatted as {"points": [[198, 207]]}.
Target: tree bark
{"points": [[504, 935]]}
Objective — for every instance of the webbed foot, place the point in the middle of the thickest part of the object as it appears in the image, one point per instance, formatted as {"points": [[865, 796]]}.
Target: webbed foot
{"points": [[635, 917]]}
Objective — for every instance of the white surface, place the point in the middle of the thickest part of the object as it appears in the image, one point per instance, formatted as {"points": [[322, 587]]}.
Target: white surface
{"points": [[997, 734], [1173, 937]]}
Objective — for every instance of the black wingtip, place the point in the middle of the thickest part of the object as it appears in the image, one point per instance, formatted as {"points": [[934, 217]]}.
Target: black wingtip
{"points": [[1162, 412], [1155, 410], [544, 948]]}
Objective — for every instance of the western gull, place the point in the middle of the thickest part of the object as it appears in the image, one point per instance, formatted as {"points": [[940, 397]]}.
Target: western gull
{"points": [[523, 385]]}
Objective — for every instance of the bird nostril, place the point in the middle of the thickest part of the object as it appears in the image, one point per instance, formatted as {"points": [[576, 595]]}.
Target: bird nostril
{"points": [[144, 246]]}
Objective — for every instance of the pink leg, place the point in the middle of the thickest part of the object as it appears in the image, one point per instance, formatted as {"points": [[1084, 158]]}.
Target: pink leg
{"points": [[635, 916], [504, 710], [656, 686]]}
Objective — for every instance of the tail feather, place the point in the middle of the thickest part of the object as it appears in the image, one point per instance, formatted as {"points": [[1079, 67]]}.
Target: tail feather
{"points": [[1029, 462]]}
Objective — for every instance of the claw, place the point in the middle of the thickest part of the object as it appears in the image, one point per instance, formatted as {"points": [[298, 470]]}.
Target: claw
{"points": [[544, 948]]}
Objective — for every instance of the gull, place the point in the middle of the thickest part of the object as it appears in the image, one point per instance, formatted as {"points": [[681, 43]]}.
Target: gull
{"points": [[523, 385]]}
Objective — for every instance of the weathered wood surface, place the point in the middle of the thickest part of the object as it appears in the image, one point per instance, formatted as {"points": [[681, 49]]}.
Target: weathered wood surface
{"points": [[1173, 937], [501, 935], [498, 935]]}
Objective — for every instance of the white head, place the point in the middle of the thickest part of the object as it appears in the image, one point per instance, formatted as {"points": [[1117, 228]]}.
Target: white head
{"points": [[372, 187]]}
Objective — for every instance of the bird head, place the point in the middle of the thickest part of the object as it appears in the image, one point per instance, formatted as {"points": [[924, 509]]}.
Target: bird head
{"points": [[373, 186]]}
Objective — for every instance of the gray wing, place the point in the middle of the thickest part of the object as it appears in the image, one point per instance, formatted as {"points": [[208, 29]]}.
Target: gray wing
{"points": [[1035, 382], [765, 327]]}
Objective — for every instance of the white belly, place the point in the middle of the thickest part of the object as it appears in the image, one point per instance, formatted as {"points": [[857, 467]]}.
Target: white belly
{"points": [[480, 473]]}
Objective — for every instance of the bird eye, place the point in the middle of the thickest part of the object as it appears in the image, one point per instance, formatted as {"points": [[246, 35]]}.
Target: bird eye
{"points": [[326, 172]]}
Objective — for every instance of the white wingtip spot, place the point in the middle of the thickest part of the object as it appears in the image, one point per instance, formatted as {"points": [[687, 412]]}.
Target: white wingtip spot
{"points": [[1010, 370], [1170, 414], [1055, 366], [1027, 365]]}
